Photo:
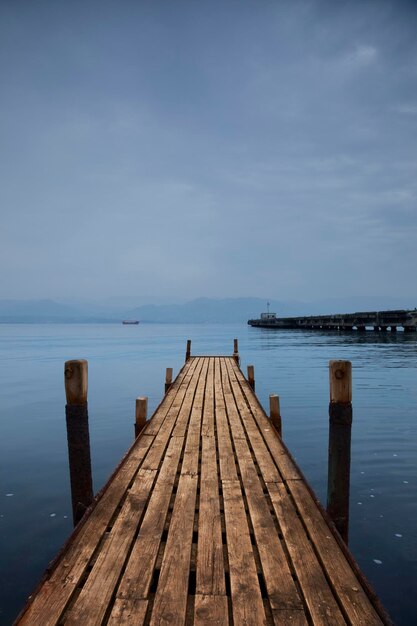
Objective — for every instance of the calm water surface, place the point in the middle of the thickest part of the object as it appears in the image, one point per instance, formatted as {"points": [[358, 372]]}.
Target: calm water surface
{"points": [[127, 361]]}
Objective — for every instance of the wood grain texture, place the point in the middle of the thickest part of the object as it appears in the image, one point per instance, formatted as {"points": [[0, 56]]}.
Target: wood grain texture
{"points": [[76, 381], [95, 596], [285, 465], [282, 593], [318, 596], [53, 596], [346, 585], [211, 611], [171, 596], [248, 426], [247, 604], [210, 561], [207, 522], [128, 612], [340, 381]]}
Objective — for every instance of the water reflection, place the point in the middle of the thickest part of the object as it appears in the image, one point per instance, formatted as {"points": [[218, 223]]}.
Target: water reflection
{"points": [[125, 364]]}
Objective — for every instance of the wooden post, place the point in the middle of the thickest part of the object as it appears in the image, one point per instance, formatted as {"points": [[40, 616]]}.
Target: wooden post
{"points": [[78, 438], [236, 351], [141, 414], [168, 378], [340, 413], [188, 352], [275, 413], [251, 376]]}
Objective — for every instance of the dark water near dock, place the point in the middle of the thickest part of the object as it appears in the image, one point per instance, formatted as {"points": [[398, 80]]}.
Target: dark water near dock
{"points": [[127, 361]]}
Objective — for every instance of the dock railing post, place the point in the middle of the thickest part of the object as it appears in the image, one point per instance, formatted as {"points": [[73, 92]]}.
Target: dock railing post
{"points": [[236, 351], [168, 378], [141, 414], [188, 351], [78, 438], [340, 426], [275, 413], [251, 377]]}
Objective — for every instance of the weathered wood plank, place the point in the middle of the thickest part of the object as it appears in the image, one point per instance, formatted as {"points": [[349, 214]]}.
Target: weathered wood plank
{"points": [[171, 595], [128, 612], [191, 453], [172, 592], [171, 399], [139, 571], [247, 604], [233, 396], [318, 596], [348, 589], [210, 564], [274, 530], [55, 593], [100, 584], [53, 596], [282, 592], [91, 605], [211, 611], [226, 454], [207, 426], [177, 417], [285, 465]]}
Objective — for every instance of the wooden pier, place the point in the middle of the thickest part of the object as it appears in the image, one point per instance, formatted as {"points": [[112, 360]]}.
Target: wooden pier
{"points": [[206, 521]]}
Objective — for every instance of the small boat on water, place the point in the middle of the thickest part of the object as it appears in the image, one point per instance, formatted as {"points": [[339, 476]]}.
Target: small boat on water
{"points": [[130, 322]]}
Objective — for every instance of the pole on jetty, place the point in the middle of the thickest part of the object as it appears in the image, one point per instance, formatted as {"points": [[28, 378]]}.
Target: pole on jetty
{"points": [[76, 411], [275, 413], [188, 351], [141, 414], [168, 378], [340, 414], [251, 377], [236, 351]]}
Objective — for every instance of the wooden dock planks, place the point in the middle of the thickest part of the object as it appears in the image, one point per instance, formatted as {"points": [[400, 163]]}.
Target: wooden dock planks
{"points": [[206, 521]]}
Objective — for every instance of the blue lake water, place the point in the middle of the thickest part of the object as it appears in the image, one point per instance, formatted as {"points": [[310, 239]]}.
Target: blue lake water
{"points": [[128, 361]]}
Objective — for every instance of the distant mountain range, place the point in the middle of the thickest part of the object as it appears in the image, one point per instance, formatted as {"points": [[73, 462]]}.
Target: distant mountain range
{"points": [[199, 310], [45, 311], [207, 310]]}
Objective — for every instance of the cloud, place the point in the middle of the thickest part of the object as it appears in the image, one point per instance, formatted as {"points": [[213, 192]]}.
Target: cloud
{"points": [[405, 109], [203, 150], [362, 56]]}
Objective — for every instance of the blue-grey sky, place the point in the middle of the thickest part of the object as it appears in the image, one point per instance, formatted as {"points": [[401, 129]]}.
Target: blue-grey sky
{"points": [[226, 148]]}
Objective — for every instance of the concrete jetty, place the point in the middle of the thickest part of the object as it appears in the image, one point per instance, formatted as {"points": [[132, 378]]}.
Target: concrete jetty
{"points": [[361, 321]]}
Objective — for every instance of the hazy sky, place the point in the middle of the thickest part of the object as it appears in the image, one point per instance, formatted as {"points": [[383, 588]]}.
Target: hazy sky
{"points": [[173, 148]]}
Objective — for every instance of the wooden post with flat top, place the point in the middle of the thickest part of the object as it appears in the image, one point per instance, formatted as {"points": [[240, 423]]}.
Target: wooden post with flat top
{"points": [[78, 438], [188, 351], [251, 377], [141, 414], [168, 378], [236, 351], [340, 425], [275, 413]]}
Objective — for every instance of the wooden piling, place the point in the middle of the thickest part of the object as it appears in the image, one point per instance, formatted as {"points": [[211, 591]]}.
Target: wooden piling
{"points": [[236, 351], [251, 377], [340, 425], [141, 414], [188, 351], [275, 413], [168, 378], [229, 509], [78, 438]]}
